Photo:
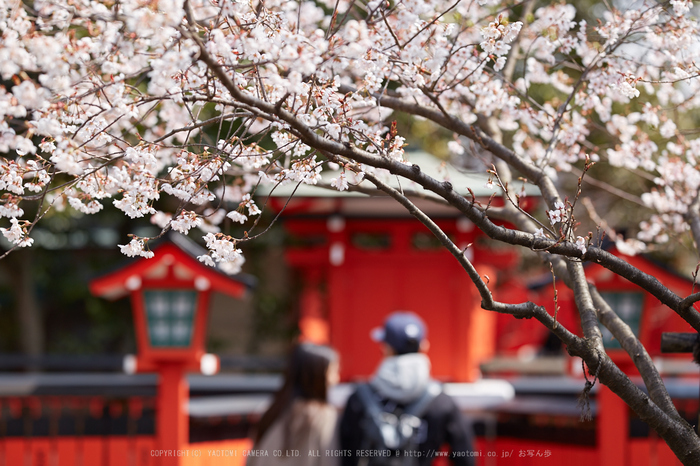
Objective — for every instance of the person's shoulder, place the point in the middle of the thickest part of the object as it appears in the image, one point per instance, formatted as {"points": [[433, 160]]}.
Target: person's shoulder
{"points": [[354, 406], [443, 402], [327, 415], [355, 397], [319, 415]]}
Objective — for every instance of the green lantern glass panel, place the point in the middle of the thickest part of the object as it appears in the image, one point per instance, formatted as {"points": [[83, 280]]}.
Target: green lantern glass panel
{"points": [[628, 306], [170, 316]]}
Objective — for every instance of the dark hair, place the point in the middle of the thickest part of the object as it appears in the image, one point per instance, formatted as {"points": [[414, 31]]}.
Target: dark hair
{"points": [[306, 378], [411, 345]]}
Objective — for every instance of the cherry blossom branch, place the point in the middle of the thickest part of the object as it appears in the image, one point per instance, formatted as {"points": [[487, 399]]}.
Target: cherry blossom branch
{"points": [[482, 287], [586, 295], [608, 187], [641, 358], [688, 302], [516, 207], [593, 254], [201, 124], [659, 410], [445, 190], [584, 303], [455, 125], [433, 21]]}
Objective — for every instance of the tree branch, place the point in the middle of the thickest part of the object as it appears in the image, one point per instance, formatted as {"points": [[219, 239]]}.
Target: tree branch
{"points": [[444, 189], [642, 361]]}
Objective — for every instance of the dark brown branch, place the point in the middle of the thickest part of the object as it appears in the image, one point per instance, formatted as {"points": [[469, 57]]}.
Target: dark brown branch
{"points": [[678, 342], [688, 302], [201, 124], [482, 288], [678, 434], [451, 123], [311, 138], [628, 341], [584, 303], [640, 357]]}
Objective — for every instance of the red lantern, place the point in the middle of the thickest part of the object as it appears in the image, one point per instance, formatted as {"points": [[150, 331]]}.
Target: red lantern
{"points": [[170, 300]]}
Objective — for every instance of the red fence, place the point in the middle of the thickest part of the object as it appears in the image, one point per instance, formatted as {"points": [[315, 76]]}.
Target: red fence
{"points": [[78, 451], [118, 429], [114, 451], [140, 451]]}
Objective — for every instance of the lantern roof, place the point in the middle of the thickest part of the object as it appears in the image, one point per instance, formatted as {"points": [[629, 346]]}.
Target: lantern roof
{"points": [[462, 181], [180, 253]]}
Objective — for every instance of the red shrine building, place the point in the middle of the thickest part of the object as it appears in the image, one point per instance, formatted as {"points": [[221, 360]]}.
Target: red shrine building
{"points": [[360, 258]]}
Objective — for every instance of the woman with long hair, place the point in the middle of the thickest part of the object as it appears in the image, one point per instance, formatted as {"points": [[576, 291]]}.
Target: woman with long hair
{"points": [[299, 427]]}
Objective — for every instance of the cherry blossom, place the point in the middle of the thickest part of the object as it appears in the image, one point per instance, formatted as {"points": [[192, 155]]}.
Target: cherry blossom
{"points": [[185, 222], [223, 250], [340, 183], [182, 110], [237, 216], [17, 234], [558, 214], [136, 247]]}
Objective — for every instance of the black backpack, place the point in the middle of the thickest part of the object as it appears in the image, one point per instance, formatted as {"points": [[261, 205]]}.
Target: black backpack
{"points": [[389, 432]]}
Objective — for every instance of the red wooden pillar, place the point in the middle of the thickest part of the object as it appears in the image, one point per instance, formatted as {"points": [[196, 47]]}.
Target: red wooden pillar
{"points": [[612, 428], [173, 418], [338, 290], [475, 330], [313, 324]]}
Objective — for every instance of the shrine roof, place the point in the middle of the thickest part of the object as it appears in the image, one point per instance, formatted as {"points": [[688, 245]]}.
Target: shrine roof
{"points": [[462, 181], [176, 251]]}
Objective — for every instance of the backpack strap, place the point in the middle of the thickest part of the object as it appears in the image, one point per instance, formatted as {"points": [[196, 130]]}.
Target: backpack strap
{"points": [[417, 408], [369, 400], [377, 432]]}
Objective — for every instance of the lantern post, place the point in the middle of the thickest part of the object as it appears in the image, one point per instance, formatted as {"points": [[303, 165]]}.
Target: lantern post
{"points": [[170, 301]]}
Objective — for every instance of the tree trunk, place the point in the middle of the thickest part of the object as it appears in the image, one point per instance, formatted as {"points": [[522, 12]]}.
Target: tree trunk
{"points": [[29, 316]]}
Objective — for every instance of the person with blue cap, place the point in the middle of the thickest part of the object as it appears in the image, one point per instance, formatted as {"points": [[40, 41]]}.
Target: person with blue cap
{"points": [[401, 417]]}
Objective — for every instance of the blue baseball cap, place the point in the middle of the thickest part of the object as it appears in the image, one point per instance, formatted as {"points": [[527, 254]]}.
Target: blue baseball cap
{"points": [[403, 331]]}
